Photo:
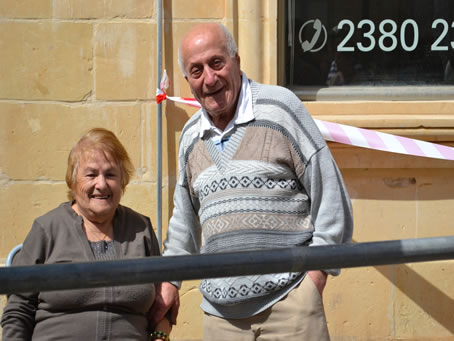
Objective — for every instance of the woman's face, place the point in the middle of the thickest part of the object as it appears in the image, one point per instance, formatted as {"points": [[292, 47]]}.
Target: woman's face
{"points": [[97, 189]]}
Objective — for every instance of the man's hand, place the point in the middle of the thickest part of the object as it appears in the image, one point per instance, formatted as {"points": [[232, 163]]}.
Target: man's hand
{"points": [[319, 279], [167, 300]]}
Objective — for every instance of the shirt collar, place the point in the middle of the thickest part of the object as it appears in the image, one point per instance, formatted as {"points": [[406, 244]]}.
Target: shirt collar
{"points": [[243, 113]]}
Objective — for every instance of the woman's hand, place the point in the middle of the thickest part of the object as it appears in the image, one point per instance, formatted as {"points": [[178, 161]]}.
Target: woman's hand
{"points": [[162, 330]]}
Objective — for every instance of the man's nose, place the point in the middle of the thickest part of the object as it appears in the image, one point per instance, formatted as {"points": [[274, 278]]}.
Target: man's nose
{"points": [[210, 76]]}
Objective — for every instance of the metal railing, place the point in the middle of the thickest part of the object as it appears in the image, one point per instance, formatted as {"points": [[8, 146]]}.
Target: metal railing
{"points": [[49, 277]]}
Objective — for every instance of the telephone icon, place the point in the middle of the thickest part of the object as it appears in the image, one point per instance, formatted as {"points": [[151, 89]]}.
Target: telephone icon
{"points": [[309, 45]]}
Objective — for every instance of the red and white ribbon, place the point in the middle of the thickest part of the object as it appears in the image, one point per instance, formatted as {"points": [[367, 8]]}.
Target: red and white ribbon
{"points": [[354, 136], [189, 101], [161, 94], [381, 141]]}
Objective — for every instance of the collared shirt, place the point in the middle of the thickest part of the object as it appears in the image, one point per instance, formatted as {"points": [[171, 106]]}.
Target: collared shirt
{"points": [[243, 114]]}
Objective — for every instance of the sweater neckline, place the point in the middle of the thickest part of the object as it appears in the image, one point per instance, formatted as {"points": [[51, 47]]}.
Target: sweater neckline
{"points": [[223, 158], [84, 242]]}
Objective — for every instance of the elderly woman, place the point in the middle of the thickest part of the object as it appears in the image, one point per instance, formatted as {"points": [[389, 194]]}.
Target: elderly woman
{"points": [[91, 226]]}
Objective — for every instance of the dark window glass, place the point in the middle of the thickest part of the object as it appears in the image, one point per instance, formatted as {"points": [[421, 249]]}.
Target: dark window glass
{"points": [[370, 42]]}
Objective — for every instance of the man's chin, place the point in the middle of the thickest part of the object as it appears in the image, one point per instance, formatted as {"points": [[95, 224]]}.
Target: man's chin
{"points": [[215, 108]]}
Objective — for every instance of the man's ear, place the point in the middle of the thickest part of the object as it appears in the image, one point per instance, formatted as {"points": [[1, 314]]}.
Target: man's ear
{"points": [[238, 60]]}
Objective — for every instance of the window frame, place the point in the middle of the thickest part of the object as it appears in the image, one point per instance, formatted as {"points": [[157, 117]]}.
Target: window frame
{"points": [[351, 93]]}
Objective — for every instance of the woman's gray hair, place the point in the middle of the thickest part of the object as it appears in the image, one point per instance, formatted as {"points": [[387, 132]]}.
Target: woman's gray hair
{"points": [[230, 46]]}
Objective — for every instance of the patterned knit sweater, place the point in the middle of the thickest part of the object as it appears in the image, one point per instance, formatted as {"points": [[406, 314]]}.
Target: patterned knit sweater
{"points": [[275, 185]]}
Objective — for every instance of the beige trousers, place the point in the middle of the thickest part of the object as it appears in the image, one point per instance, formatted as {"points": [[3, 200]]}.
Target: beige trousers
{"points": [[299, 316]]}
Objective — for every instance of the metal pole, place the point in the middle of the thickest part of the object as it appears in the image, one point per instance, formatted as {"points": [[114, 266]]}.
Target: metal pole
{"points": [[159, 129], [159, 269]]}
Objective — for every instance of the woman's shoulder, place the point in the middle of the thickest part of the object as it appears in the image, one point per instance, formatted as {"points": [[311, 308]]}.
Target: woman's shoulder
{"points": [[128, 217], [131, 225], [130, 213], [61, 213]]}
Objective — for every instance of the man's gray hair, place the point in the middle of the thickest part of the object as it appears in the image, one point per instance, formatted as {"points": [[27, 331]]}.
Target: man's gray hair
{"points": [[230, 46]]}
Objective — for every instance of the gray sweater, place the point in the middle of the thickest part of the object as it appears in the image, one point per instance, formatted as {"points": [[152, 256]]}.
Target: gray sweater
{"points": [[275, 185], [111, 313]]}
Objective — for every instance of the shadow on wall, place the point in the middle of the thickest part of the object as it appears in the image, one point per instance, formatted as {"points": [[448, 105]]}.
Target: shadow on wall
{"points": [[400, 203], [422, 293], [412, 184]]}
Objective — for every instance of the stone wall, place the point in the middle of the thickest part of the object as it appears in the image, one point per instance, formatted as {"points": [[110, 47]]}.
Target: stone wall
{"points": [[70, 65]]}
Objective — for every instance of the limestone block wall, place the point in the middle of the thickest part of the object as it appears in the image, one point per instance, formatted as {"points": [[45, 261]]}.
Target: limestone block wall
{"points": [[69, 65], [394, 196]]}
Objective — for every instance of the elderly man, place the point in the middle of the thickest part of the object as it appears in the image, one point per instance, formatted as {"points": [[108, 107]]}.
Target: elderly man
{"points": [[255, 173]]}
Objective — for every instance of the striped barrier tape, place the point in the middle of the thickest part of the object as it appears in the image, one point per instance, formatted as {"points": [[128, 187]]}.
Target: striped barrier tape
{"points": [[354, 136], [381, 141]]}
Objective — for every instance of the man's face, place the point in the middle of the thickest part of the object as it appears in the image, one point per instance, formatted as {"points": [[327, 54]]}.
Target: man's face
{"points": [[214, 76]]}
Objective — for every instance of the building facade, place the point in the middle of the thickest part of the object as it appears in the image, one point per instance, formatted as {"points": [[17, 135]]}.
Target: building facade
{"points": [[70, 65]]}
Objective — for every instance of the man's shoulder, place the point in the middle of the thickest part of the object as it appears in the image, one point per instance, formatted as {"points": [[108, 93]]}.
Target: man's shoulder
{"points": [[273, 94], [268, 87], [280, 108], [192, 126], [191, 130]]}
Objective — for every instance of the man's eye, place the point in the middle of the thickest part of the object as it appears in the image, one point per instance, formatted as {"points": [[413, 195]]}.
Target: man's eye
{"points": [[217, 64], [196, 72]]}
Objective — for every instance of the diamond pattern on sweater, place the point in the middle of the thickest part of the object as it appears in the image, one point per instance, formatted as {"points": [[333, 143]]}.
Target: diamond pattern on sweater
{"points": [[247, 182], [233, 288], [238, 221]]}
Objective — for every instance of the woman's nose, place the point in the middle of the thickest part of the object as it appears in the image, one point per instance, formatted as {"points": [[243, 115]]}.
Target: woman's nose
{"points": [[101, 182]]}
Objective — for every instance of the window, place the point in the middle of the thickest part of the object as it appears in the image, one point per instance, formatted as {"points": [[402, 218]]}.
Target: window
{"points": [[387, 47]]}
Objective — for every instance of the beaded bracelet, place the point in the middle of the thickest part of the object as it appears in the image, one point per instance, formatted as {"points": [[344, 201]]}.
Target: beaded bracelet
{"points": [[159, 335]]}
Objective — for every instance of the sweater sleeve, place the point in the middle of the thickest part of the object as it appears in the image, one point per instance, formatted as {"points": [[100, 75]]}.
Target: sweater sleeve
{"points": [[18, 319], [183, 236], [331, 210], [184, 232]]}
